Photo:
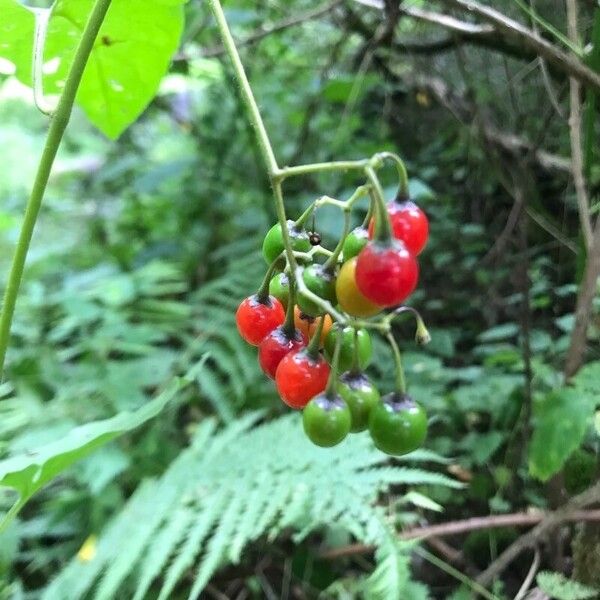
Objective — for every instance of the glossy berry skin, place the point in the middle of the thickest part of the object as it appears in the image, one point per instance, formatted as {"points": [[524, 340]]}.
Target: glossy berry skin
{"points": [[360, 395], [322, 283], [326, 420], [386, 274], [355, 241], [273, 242], [350, 298], [300, 377], [398, 425], [346, 357], [308, 325], [279, 287], [409, 223], [256, 319], [275, 346]]}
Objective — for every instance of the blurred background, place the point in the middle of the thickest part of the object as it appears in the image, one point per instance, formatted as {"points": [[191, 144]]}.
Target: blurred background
{"points": [[145, 246]]}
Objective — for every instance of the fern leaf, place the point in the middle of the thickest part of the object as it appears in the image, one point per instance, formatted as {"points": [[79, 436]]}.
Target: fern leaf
{"points": [[193, 543]]}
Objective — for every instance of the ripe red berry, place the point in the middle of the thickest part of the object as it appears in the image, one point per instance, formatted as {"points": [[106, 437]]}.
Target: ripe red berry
{"points": [[275, 346], [386, 274], [409, 223], [255, 318], [301, 377]]}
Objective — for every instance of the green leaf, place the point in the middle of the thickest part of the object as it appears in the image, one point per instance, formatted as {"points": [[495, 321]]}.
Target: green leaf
{"points": [[17, 25], [132, 53], [29, 472], [560, 422], [557, 586]]}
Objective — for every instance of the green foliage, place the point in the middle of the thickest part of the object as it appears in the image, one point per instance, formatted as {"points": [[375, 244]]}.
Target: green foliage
{"points": [[561, 419], [225, 491], [28, 472], [557, 586], [16, 39], [391, 579]]}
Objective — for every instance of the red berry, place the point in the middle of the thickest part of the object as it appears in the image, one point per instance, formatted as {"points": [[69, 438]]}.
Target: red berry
{"points": [[256, 319], [386, 274], [301, 377], [409, 223], [275, 346]]}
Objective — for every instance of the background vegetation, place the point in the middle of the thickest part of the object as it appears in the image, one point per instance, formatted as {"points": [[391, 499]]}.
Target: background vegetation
{"points": [[146, 244]]}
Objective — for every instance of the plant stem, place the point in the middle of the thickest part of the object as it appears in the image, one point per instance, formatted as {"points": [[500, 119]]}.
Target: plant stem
{"points": [[289, 326], [340, 165], [263, 290], [450, 570], [264, 143], [315, 341], [58, 124], [330, 390], [403, 191], [383, 227], [247, 96], [400, 380]]}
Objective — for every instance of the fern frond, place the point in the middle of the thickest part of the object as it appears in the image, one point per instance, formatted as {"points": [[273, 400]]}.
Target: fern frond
{"points": [[232, 487]]}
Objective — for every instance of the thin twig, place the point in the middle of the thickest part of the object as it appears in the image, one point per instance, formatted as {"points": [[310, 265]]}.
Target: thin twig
{"points": [[264, 32], [549, 523], [583, 202], [530, 576], [466, 526], [569, 64]]}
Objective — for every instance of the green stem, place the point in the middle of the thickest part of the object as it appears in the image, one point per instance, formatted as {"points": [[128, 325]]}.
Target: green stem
{"points": [[403, 190], [58, 124], [263, 290], [264, 143], [301, 220], [246, 90], [371, 210], [450, 570], [383, 227], [331, 262], [289, 326], [400, 380], [340, 165], [355, 369], [320, 302], [330, 390], [422, 334], [315, 341]]}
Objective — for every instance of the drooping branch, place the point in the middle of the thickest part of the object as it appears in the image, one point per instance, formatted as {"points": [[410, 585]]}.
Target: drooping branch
{"points": [[570, 65], [504, 34]]}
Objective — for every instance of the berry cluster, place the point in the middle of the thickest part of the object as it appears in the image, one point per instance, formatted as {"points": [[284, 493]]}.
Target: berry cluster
{"points": [[311, 318]]}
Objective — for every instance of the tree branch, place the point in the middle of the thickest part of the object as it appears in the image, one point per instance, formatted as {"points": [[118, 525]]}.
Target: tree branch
{"points": [[575, 136], [473, 524], [530, 540], [513, 30]]}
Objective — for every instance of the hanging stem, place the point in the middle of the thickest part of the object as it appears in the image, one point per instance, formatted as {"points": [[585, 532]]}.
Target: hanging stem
{"points": [[355, 369], [42, 16], [58, 125], [400, 380], [403, 191], [315, 341], [289, 326], [330, 390], [383, 227], [263, 290]]}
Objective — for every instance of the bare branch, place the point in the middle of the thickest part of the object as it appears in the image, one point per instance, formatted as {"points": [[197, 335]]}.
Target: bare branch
{"points": [[583, 203], [264, 32], [531, 539], [472, 524]]}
